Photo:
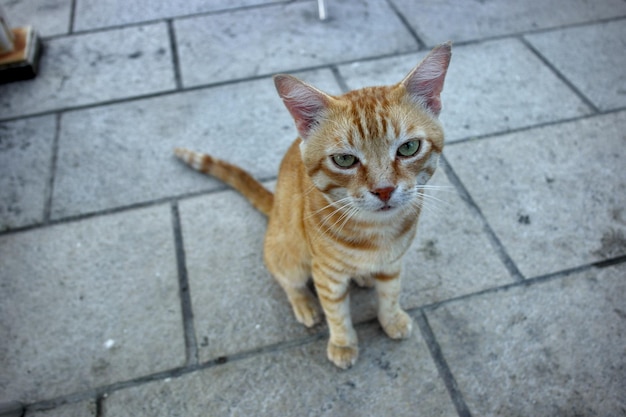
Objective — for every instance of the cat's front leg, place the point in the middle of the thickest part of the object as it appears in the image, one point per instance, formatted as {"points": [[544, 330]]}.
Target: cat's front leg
{"points": [[395, 321], [333, 293]]}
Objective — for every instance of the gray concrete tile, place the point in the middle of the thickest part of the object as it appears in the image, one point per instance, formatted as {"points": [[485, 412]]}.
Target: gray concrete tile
{"points": [[555, 196], [490, 87], [225, 266], [390, 378], [88, 303], [91, 14], [596, 65], [80, 409], [237, 305], [552, 349], [90, 68], [245, 123], [47, 17], [284, 38], [437, 21], [25, 169]]}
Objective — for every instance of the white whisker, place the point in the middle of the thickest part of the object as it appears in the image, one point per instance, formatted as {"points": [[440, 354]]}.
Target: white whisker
{"points": [[446, 188], [435, 199], [333, 204]]}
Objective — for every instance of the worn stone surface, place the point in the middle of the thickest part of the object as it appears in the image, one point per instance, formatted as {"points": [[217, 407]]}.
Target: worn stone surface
{"points": [[87, 304], [47, 17], [244, 123], [458, 20], [596, 65], [114, 64], [81, 409], [25, 164], [290, 38], [92, 14], [390, 378], [555, 196], [490, 87], [238, 306], [551, 349], [89, 287]]}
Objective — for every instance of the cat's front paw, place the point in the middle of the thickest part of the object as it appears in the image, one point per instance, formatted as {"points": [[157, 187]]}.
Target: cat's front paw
{"points": [[398, 325], [307, 311], [342, 356]]}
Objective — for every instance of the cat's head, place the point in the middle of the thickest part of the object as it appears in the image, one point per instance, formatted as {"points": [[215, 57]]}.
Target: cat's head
{"points": [[372, 149]]}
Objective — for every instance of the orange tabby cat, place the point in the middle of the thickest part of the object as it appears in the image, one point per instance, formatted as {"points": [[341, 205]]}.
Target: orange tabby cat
{"points": [[348, 195]]}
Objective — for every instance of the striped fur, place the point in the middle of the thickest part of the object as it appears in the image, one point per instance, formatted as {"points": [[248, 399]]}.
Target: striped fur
{"points": [[240, 180], [339, 223]]}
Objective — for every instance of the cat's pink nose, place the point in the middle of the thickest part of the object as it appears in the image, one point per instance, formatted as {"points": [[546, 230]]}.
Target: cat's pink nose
{"points": [[384, 194]]}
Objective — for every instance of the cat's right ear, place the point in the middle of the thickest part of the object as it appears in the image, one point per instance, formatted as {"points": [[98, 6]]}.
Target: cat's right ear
{"points": [[306, 103]]}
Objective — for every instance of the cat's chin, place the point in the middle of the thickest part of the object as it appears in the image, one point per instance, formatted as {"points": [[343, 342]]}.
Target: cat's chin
{"points": [[384, 213]]}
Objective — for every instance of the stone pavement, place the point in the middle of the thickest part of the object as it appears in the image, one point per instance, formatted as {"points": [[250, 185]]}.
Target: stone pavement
{"points": [[132, 286]]}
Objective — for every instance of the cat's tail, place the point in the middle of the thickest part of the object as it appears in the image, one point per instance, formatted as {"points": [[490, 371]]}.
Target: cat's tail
{"points": [[240, 180]]}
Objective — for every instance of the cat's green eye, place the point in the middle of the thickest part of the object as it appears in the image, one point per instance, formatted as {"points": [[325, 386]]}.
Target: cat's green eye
{"points": [[345, 160], [409, 148]]}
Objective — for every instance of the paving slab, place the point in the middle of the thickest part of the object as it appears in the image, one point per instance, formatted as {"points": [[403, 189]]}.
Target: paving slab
{"points": [[551, 349], [458, 20], [25, 169], [90, 68], [80, 409], [91, 14], [595, 65], [236, 303], [235, 45], [47, 17], [88, 303], [238, 306], [555, 196], [390, 378], [238, 122], [490, 87]]}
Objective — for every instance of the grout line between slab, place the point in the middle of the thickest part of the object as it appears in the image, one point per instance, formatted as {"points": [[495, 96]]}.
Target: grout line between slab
{"points": [[171, 31], [72, 21], [163, 19], [548, 64], [343, 86], [535, 126], [181, 89], [610, 262], [500, 250], [49, 191], [527, 282], [191, 345], [99, 406], [130, 207], [442, 366], [420, 44], [287, 2], [101, 393]]}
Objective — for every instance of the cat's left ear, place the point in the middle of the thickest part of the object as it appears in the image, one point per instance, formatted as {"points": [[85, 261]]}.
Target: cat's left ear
{"points": [[306, 103], [425, 83]]}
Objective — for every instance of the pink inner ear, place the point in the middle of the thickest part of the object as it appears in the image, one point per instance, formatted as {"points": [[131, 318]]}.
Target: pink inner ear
{"points": [[305, 103], [425, 82]]}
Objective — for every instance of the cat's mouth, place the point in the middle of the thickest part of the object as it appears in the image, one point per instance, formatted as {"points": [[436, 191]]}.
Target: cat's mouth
{"points": [[386, 207]]}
